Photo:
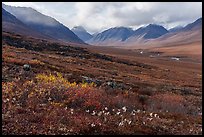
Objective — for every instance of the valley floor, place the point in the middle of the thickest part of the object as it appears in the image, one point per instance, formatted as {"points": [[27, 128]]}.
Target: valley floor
{"points": [[74, 90]]}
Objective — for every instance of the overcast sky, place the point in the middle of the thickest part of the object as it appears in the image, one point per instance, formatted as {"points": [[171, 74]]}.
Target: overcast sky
{"points": [[98, 16]]}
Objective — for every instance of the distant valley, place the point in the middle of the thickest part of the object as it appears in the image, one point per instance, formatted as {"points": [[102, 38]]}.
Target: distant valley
{"points": [[122, 37]]}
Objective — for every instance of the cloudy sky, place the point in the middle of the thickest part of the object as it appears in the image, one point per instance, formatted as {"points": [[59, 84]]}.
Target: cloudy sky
{"points": [[98, 16]]}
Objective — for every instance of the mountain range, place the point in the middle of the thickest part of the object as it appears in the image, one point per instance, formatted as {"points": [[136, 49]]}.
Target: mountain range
{"points": [[149, 35], [30, 22], [43, 24], [188, 34], [123, 34]]}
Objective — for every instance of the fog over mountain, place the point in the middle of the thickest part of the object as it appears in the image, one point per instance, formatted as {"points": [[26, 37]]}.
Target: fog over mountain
{"points": [[11, 24], [42, 23]]}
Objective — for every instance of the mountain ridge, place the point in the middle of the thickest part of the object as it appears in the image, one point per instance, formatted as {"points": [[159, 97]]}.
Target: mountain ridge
{"points": [[43, 23], [115, 36], [11, 24]]}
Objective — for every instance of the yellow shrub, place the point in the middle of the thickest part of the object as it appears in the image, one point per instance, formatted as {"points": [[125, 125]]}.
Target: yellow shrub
{"points": [[7, 86], [50, 78], [85, 84], [93, 84], [73, 84], [58, 79]]}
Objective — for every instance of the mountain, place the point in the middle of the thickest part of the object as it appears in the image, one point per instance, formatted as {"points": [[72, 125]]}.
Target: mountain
{"points": [[191, 33], [8, 17], [42, 23], [144, 34], [94, 34], [151, 31], [175, 29], [81, 33], [11, 24], [112, 35], [193, 26], [151, 35], [123, 35]]}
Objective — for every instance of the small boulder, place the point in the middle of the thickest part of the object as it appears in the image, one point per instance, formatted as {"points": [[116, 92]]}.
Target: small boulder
{"points": [[112, 84], [26, 67]]}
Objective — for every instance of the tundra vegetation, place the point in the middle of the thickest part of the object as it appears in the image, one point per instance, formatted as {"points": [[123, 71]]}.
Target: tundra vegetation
{"points": [[72, 91]]}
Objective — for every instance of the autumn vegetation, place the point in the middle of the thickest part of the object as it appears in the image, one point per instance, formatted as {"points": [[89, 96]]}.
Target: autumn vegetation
{"points": [[93, 94]]}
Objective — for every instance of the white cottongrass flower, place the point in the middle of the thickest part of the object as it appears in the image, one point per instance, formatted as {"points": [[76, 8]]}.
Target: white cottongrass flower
{"points": [[49, 99], [93, 113], [106, 108], [72, 111], [62, 129], [133, 112], [129, 122], [118, 113], [124, 109], [93, 125], [113, 109], [121, 123], [100, 113], [42, 104], [150, 114], [107, 113], [138, 111], [155, 115], [65, 108], [87, 111], [105, 119]]}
